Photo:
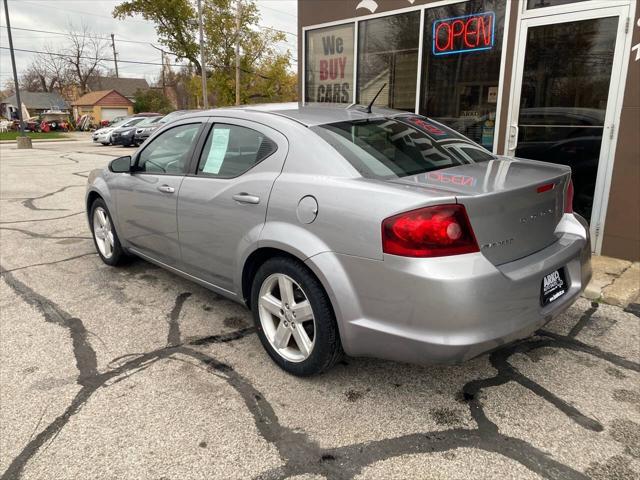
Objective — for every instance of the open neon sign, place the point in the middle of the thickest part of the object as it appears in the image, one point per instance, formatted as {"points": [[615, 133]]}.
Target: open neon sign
{"points": [[469, 33]]}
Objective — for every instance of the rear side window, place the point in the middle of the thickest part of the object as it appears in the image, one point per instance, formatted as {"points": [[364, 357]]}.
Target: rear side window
{"points": [[231, 150], [395, 147]]}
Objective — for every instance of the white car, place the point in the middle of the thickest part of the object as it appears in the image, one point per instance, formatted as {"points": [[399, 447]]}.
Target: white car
{"points": [[103, 135]]}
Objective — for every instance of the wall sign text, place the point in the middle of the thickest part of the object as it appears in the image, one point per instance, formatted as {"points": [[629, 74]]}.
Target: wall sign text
{"points": [[469, 33], [329, 63]]}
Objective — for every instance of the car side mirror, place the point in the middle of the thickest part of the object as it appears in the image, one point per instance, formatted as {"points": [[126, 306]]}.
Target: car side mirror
{"points": [[120, 165]]}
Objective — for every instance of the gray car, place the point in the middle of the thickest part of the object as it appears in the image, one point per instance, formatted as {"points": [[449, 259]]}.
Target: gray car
{"points": [[380, 234]]}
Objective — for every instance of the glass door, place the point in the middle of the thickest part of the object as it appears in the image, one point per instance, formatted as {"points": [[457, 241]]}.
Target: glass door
{"points": [[566, 90]]}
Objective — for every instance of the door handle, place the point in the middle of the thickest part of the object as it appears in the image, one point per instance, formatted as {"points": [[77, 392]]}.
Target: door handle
{"points": [[514, 132], [246, 198], [166, 189]]}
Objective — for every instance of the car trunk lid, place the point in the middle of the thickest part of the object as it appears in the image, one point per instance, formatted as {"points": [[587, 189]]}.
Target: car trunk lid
{"points": [[513, 205]]}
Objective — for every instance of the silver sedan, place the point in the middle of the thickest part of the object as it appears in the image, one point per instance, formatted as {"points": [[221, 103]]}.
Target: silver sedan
{"points": [[381, 233]]}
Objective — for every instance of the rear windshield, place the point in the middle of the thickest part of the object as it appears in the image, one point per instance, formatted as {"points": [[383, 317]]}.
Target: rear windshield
{"points": [[400, 146]]}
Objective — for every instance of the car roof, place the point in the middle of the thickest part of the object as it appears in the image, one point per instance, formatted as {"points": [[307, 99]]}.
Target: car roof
{"points": [[311, 114]]}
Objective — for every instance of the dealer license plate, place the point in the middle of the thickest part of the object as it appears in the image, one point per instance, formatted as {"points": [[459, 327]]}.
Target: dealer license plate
{"points": [[553, 287]]}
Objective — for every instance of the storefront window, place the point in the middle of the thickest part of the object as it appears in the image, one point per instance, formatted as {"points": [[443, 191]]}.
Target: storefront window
{"points": [[531, 4], [329, 65], [461, 66], [388, 54]]}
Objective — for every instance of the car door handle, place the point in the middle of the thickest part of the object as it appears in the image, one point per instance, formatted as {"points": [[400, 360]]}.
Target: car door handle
{"points": [[246, 198], [166, 189]]}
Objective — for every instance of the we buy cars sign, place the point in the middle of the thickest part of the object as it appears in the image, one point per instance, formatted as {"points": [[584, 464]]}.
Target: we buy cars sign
{"points": [[330, 65]]}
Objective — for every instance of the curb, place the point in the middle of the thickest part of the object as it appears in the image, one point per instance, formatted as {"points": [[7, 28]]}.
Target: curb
{"points": [[615, 282], [40, 140]]}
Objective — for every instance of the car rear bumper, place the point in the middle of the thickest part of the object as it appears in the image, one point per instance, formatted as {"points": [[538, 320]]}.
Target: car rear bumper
{"points": [[449, 309]]}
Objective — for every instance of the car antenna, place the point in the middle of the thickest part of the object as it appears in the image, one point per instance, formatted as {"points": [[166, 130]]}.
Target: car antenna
{"points": [[374, 98]]}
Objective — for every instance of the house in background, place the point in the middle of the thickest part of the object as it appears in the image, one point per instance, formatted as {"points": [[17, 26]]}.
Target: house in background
{"points": [[102, 105], [125, 86], [35, 103]]}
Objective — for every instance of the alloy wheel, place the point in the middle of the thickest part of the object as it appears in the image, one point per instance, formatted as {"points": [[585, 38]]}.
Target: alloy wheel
{"points": [[103, 232], [286, 317]]}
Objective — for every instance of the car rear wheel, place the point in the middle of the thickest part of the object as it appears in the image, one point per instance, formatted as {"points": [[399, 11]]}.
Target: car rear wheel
{"points": [[294, 318], [104, 234]]}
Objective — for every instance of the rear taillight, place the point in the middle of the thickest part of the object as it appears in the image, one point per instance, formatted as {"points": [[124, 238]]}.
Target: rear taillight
{"points": [[429, 232], [568, 198]]}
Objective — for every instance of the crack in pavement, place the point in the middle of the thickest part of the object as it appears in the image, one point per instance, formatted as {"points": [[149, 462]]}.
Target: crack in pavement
{"points": [[88, 378], [3, 271], [29, 203], [300, 453], [173, 337], [31, 234], [35, 220]]}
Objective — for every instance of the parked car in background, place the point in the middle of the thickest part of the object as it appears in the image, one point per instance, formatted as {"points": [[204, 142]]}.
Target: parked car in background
{"points": [[103, 135], [349, 230], [125, 135], [142, 133]]}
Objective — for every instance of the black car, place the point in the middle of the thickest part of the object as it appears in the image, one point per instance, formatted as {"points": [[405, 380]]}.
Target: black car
{"points": [[143, 131], [125, 136]]}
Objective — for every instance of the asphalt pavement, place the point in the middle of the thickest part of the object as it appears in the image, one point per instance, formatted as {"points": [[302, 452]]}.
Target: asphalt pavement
{"points": [[135, 373]]}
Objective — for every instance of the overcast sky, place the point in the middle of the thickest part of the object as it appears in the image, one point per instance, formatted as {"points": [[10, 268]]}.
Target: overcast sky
{"points": [[57, 15]]}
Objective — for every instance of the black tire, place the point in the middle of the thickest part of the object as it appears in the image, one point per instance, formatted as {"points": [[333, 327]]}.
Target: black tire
{"points": [[118, 255], [327, 349]]}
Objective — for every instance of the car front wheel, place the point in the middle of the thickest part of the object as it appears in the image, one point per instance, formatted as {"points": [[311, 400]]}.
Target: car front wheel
{"points": [[294, 318], [104, 234]]}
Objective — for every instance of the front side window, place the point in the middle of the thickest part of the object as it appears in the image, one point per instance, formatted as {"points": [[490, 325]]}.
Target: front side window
{"points": [[231, 150], [396, 147], [329, 65], [169, 151], [461, 66], [388, 54]]}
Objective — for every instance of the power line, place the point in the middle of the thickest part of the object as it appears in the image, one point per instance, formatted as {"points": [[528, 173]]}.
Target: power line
{"points": [[87, 58], [120, 39], [277, 30], [246, 70], [67, 33], [58, 9]]}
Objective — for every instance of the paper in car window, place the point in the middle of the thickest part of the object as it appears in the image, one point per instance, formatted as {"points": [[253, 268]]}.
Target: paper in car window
{"points": [[218, 150]]}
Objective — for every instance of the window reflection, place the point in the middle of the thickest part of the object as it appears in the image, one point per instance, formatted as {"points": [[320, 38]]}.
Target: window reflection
{"points": [[531, 4], [565, 87], [388, 53], [461, 66]]}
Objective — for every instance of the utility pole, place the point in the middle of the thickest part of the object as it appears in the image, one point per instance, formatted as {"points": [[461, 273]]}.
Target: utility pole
{"points": [[163, 77], [162, 73], [238, 13], [23, 141], [115, 57], [205, 102]]}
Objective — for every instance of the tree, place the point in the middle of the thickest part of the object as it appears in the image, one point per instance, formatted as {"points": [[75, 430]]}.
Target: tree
{"points": [[265, 72], [176, 24], [48, 72], [151, 100], [84, 56]]}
